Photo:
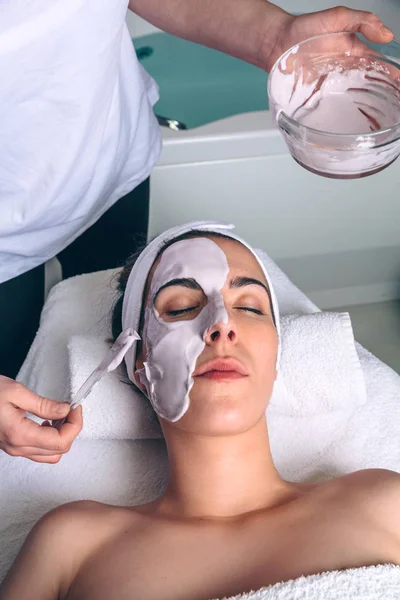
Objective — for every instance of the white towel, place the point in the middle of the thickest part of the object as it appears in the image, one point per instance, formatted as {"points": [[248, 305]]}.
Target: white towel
{"points": [[321, 369], [381, 582]]}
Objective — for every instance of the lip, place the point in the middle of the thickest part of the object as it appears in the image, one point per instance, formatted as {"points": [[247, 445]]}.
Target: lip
{"points": [[219, 368]]}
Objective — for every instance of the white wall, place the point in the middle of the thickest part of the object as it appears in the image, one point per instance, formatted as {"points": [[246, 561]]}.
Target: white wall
{"points": [[339, 241]]}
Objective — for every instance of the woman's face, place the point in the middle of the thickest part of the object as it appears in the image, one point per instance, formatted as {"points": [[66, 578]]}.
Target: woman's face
{"points": [[234, 373]]}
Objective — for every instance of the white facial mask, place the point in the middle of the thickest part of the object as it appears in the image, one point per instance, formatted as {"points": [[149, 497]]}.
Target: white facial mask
{"points": [[173, 348]]}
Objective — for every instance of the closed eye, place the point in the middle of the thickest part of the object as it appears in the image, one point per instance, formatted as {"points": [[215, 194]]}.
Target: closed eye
{"points": [[182, 311], [249, 309]]}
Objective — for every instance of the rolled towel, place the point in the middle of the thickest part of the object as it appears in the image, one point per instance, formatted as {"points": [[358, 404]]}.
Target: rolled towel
{"points": [[320, 366], [377, 582], [114, 409], [319, 362]]}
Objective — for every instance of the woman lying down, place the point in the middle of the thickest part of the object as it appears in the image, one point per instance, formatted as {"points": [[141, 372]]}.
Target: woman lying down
{"points": [[227, 522]]}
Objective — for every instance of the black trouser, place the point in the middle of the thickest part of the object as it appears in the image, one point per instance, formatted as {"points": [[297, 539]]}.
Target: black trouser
{"points": [[105, 245]]}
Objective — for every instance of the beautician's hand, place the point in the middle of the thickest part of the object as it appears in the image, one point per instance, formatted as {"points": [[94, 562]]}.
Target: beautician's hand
{"points": [[20, 436], [292, 30]]}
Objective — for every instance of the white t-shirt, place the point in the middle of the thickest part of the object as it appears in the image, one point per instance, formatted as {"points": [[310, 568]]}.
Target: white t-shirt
{"points": [[77, 129]]}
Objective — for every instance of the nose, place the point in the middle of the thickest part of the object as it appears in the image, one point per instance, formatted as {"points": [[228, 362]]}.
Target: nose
{"points": [[221, 332]]}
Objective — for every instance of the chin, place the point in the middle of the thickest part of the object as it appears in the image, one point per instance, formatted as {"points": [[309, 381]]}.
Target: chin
{"points": [[223, 416]]}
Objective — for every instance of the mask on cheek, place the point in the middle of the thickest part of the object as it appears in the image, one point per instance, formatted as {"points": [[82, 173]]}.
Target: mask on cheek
{"points": [[173, 348]]}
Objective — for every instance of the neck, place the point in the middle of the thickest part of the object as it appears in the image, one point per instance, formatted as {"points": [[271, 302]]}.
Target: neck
{"points": [[216, 477]]}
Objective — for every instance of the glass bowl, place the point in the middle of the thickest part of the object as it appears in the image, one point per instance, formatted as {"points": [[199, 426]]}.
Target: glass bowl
{"points": [[336, 100]]}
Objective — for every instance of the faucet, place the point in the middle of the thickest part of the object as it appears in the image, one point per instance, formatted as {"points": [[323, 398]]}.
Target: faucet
{"points": [[170, 123]]}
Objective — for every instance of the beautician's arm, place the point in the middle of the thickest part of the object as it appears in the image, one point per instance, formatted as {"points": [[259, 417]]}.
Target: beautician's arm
{"points": [[254, 30]]}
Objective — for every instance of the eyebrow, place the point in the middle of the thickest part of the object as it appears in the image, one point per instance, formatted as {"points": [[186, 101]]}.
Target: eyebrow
{"points": [[183, 282], [192, 284], [239, 282]]}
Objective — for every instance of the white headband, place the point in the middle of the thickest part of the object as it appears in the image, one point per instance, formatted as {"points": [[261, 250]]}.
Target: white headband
{"points": [[133, 296]]}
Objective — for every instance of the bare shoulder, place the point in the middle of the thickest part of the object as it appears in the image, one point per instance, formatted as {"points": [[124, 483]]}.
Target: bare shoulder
{"points": [[382, 485], [372, 489], [375, 493], [75, 528], [57, 546], [58, 527], [84, 524], [64, 520], [43, 561]]}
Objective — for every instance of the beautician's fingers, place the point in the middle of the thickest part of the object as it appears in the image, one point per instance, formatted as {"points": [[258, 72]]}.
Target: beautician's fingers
{"points": [[26, 451], [52, 459], [48, 438], [344, 19], [74, 419], [19, 396], [26, 432], [333, 20], [17, 431]]}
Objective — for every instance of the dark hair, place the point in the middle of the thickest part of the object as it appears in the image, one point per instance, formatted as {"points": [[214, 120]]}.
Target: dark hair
{"points": [[116, 318]]}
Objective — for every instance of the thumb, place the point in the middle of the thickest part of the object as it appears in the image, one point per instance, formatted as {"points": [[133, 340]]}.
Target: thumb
{"points": [[39, 405]]}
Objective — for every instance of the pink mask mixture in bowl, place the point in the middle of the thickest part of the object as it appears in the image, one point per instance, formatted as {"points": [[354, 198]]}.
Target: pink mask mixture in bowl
{"points": [[336, 101]]}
